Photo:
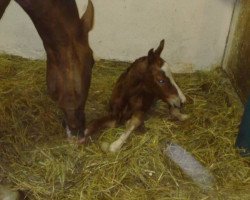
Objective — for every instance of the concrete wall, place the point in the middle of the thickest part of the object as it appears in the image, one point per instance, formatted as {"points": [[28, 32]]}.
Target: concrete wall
{"points": [[195, 31]]}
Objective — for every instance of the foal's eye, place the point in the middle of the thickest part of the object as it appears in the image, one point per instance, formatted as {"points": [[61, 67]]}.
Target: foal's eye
{"points": [[161, 81]]}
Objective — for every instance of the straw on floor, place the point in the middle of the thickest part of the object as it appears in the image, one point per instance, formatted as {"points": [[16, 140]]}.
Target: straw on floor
{"points": [[36, 157]]}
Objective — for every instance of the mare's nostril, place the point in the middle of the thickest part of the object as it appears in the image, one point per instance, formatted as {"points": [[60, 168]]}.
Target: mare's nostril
{"points": [[74, 132], [79, 132]]}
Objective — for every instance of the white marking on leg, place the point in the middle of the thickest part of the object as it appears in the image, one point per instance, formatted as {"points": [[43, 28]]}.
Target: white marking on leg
{"points": [[86, 132], [168, 73], [68, 132], [81, 6], [116, 145]]}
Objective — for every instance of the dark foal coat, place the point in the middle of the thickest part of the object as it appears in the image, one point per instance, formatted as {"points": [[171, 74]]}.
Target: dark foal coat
{"points": [[134, 93], [69, 56]]}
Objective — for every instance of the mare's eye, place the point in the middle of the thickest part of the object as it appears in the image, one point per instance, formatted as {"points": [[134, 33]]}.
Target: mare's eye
{"points": [[161, 81]]}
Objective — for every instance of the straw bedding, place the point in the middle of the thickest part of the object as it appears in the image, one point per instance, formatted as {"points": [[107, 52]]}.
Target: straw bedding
{"points": [[37, 158]]}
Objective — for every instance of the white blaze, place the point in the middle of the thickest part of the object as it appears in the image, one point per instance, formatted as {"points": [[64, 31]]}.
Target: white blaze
{"points": [[168, 74], [81, 6], [117, 145]]}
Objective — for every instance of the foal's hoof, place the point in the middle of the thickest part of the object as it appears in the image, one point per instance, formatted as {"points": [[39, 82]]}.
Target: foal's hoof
{"points": [[81, 140], [113, 148], [105, 146], [183, 117]]}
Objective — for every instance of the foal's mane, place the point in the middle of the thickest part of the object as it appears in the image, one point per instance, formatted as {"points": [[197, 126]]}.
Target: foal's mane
{"points": [[138, 68]]}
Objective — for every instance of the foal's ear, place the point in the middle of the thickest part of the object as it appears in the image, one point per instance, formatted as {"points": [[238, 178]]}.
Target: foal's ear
{"points": [[151, 56], [160, 48]]}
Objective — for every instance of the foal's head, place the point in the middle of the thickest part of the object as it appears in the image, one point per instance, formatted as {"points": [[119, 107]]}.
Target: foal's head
{"points": [[159, 79]]}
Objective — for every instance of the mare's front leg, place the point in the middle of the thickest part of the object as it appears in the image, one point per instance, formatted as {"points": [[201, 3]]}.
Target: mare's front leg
{"points": [[3, 6], [133, 123]]}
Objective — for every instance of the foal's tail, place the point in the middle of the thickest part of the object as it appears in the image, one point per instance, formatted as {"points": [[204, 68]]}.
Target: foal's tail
{"points": [[99, 124]]}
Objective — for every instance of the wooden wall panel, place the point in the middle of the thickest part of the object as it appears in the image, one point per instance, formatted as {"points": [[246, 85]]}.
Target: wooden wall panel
{"points": [[237, 54]]}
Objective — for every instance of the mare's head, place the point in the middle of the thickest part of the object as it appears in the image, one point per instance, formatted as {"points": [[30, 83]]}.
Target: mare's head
{"points": [[69, 61], [159, 78]]}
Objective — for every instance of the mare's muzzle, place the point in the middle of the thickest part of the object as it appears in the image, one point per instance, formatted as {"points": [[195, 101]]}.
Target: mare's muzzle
{"points": [[73, 132]]}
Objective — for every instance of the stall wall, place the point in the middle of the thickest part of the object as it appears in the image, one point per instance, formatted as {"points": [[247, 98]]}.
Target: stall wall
{"points": [[195, 31], [237, 56]]}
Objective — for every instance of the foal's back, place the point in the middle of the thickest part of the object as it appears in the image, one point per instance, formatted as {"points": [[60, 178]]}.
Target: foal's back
{"points": [[130, 92]]}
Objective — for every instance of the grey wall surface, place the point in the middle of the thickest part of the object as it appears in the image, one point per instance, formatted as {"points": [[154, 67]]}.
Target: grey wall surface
{"points": [[195, 31]]}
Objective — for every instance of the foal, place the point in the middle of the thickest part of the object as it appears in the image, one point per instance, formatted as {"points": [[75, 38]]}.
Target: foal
{"points": [[145, 81]]}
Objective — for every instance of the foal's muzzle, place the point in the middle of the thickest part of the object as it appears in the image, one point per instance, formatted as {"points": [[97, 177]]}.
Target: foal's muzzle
{"points": [[174, 101]]}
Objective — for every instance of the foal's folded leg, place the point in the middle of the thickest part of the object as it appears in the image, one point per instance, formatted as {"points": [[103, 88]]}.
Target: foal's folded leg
{"points": [[133, 123], [97, 125]]}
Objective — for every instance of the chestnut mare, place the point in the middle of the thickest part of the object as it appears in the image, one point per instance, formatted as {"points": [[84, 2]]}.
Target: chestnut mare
{"points": [[148, 79], [69, 56]]}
